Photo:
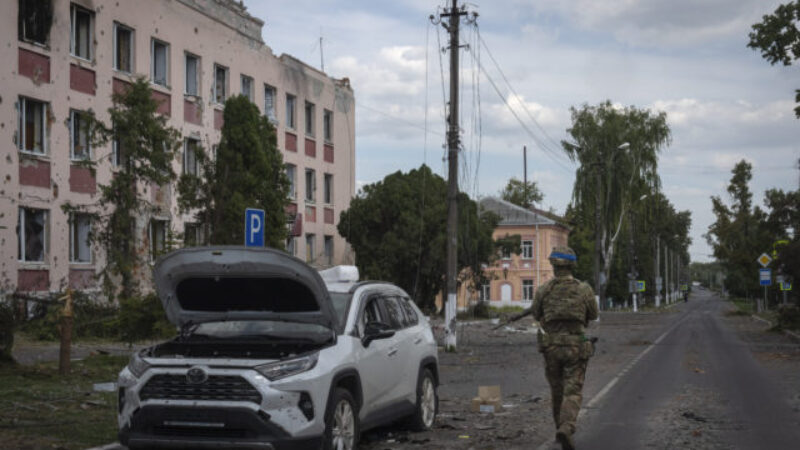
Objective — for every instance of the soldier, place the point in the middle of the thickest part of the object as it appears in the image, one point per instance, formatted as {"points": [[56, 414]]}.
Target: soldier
{"points": [[564, 306]]}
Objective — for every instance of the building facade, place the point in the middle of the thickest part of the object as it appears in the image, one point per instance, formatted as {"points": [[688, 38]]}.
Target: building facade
{"points": [[66, 58], [513, 279]]}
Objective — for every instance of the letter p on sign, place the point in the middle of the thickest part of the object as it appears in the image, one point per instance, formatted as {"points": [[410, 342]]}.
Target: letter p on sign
{"points": [[254, 227]]}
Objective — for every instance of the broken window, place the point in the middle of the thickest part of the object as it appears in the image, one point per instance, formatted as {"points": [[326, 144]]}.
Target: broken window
{"points": [[80, 148], [247, 87], [269, 102], [117, 153], [32, 125], [123, 48], [35, 19], [328, 250], [81, 23], [327, 188], [158, 237], [220, 83], [527, 249], [310, 252], [159, 52], [291, 173], [311, 185], [191, 234], [527, 290], [327, 125], [190, 149], [192, 73], [79, 248], [309, 119], [290, 105], [32, 234]]}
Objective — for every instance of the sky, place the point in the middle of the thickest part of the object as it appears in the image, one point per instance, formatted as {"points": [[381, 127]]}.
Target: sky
{"points": [[688, 58]]}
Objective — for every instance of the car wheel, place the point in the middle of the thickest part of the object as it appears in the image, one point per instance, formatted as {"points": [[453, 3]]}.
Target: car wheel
{"points": [[341, 422], [427, 402]]}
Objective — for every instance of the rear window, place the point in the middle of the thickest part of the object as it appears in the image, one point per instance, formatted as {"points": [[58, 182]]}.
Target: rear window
{"points": [[218, 294]]}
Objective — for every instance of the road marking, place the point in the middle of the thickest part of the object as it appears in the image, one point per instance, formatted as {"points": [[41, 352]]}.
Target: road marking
{"points": [[599, 396]]}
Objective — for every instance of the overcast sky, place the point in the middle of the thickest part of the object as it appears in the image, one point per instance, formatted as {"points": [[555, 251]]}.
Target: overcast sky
{"points": [[685, 57]]}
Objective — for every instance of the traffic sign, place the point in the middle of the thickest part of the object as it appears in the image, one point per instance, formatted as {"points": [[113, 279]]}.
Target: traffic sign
{"points": [[640, 285], [764, 260], [684, 287], [765, 277], [253, 227], [786, 286]]}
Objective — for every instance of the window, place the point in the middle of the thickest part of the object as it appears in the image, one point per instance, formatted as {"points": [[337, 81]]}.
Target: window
{"points": [[32, 234], [269, 102], [123, 48], [291, 173], [32, 125], [310, 252], [117, 154], [191, 234], [35, 19], [220, 83], [80, 148], [158, 237], [247, 87], [372, 313], [159, 71], [505, 252], [79, 248], [309, 119], [327, 188], [190, 149], [291, 244], [290, 106], [411, 315], [328, 250], [527, 290], [192, 69], [327, 125], [311, 185], [81, 23], [485, 292], [527, 249], [394, 312]]}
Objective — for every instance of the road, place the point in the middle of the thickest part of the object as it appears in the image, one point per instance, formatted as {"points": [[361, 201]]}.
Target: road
{"points": [[697, 386]]}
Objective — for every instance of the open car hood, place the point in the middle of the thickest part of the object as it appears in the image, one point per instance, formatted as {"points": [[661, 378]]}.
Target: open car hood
{"points": [[205, 284]]}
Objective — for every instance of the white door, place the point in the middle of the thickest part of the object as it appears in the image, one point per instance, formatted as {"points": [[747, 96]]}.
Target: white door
{"points": [[505, 293]]}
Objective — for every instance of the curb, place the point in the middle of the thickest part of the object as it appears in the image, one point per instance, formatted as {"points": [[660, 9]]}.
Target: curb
{"points": [[786, 332], [114, 445]]}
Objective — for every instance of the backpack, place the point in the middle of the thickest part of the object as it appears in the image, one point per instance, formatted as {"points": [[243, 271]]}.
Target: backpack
{"points": [[564, 300]]}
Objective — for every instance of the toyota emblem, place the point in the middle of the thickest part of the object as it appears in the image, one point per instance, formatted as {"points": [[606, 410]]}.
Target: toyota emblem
{"points": [[196, 375]]}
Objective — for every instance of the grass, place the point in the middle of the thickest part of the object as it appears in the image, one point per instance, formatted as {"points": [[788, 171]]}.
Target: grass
{"points": [[41, 409]]}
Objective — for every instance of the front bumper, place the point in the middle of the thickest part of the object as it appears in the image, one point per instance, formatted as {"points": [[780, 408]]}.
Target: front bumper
{"points": [[223, 427]]}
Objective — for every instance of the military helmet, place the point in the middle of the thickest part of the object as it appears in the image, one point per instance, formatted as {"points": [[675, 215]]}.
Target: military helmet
{"points": [[563, 256]]}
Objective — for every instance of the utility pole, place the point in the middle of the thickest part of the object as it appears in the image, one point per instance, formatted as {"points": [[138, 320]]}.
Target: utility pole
{"points": [[658, 271], [454, 14]]}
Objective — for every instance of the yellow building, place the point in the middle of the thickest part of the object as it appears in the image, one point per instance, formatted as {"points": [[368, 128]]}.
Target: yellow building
{"points": [[515, 278]]}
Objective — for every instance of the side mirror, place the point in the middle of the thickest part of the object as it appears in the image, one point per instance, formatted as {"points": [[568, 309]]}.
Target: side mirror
{"points": [[374, 331]]}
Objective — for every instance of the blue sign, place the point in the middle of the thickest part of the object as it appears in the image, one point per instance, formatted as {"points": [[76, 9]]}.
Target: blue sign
{"points": [[765, 277], [254, 227], [640, 285]]}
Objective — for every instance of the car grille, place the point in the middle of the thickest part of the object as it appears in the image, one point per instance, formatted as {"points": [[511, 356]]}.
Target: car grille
{"points": [[216, 387]]}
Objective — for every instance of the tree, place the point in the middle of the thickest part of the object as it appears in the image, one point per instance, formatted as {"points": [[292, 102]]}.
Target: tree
{"points": [[146, 146], [248, 173], [521, 194], [738, 237], [609, 180], [397, 228], [778, 38], [783, 225]]}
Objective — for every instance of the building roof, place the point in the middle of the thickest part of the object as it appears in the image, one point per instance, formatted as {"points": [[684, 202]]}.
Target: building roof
{"points": [[511, 214]]}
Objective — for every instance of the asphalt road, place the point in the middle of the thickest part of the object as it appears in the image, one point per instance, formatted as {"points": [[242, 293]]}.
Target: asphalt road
{"points": [[697, 386]]}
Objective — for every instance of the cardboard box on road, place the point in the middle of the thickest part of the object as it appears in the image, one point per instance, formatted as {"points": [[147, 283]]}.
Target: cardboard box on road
{"points": [[488, 400]]}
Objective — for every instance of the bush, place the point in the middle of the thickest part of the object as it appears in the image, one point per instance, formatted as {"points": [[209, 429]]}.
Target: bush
{"points": [[143, 318], [789, 317], [7, 326], [91, 319]]}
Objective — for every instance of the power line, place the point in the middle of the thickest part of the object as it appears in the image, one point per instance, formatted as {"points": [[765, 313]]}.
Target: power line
{"points": [[400, 119]]}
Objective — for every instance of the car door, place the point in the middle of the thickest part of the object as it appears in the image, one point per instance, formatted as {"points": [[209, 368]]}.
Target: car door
{"points": [[377, 363], [404, 362]]}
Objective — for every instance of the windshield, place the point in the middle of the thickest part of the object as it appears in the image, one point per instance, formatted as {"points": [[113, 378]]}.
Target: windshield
{"points": [[341, 304], [261, 329]]}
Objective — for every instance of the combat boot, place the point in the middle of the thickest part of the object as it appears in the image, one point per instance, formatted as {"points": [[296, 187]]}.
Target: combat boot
{"points": [[565, 439]]}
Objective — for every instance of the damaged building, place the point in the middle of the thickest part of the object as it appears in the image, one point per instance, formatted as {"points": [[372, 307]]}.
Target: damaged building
{"points": [[66, 58]]}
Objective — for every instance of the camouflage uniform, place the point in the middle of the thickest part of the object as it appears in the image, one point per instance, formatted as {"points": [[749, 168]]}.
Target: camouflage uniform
{"points": [[564, 306]]}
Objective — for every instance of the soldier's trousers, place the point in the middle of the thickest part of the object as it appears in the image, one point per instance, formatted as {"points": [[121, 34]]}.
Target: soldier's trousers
{"points": [[565, 368]]}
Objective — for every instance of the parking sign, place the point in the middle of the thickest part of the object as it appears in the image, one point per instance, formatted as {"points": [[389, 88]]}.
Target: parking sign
{"points": [[254, 227], [765, 277]]}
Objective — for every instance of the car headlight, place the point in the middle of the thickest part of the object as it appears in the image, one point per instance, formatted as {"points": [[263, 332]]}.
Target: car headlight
{"points": [[282, 369], [137, 365]]}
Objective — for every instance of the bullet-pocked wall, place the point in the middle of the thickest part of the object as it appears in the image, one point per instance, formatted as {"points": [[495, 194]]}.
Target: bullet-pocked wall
{"points": [[65, 58]]}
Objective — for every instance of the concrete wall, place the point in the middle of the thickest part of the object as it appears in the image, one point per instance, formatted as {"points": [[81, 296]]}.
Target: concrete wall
{"points": [[219, 32]]}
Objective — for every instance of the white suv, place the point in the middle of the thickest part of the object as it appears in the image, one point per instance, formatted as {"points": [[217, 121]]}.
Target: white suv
{"points": [[273, 354]]}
